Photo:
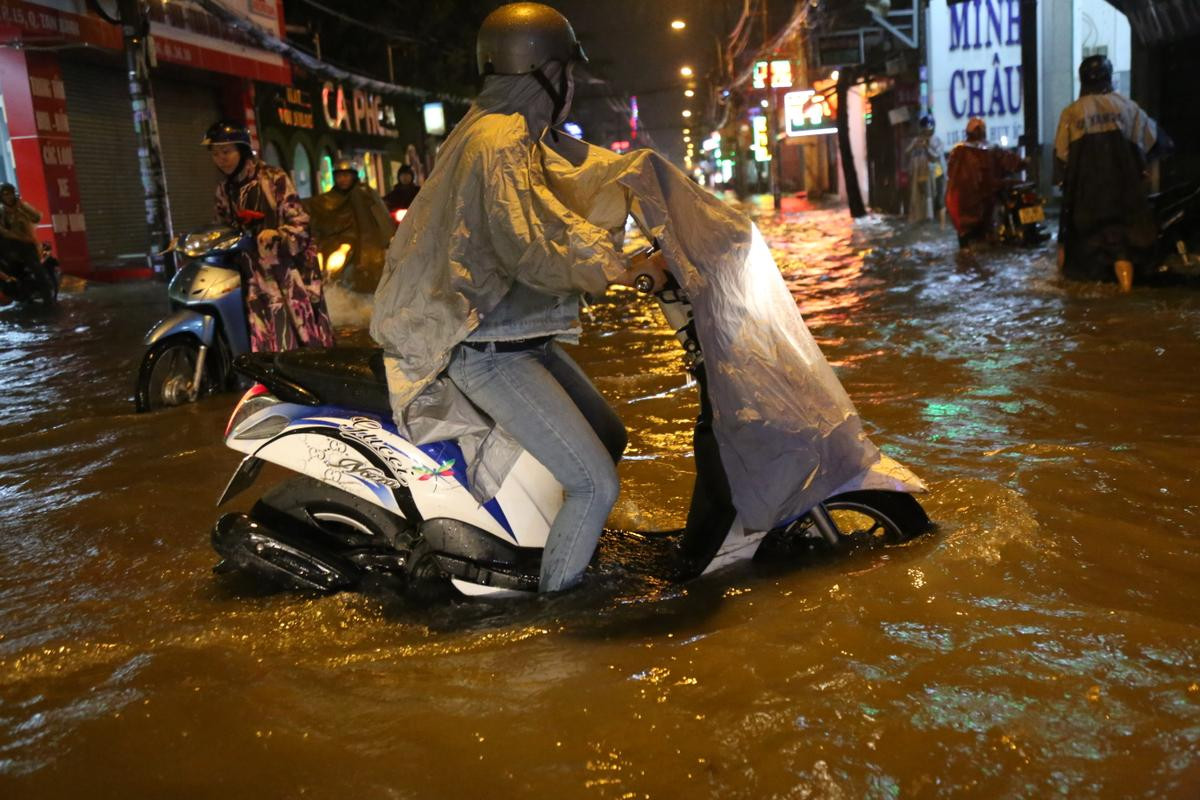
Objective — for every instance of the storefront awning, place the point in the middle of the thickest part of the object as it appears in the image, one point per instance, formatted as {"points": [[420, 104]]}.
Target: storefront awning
{"points": [[1161, 21]]}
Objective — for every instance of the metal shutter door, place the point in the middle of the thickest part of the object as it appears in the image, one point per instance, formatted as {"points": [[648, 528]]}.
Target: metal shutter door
{"points": [[106, 165], [185, 112], [106, 162]]}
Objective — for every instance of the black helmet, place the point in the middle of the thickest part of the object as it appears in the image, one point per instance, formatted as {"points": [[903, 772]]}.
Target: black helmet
{"points": [[344, 165], [226, 133], [520, 38], [1095, 73]]}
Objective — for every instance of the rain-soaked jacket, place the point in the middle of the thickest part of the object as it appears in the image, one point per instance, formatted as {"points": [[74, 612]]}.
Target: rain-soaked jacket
{"points": [[358, 218], [504, 205], [974, 177], [285, 306], [1101, 151]]}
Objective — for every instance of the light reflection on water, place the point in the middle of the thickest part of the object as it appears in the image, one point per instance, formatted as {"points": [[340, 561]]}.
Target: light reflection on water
{"points": [[1042, 643]]}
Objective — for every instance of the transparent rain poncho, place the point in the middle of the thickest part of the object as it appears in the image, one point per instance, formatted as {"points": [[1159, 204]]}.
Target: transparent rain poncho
{"points": [[789, 435]]}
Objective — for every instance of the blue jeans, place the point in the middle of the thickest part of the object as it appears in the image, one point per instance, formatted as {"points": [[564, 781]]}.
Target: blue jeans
{"points": [[545, 401]]}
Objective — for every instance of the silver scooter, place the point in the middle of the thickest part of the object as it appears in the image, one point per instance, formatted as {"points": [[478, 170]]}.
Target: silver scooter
{"points": [[190, 352]]}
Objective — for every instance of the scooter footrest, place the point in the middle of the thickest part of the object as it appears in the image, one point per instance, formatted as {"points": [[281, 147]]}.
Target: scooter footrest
{"points": [[490, 575]]}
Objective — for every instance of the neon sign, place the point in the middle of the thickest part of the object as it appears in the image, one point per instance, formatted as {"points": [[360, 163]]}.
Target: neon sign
{"points": [[807, 113], [780, 72]]}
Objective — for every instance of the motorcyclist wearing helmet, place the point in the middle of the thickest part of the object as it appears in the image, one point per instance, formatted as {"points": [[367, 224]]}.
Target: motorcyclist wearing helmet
{"points": [[18, 224], [973, 180], [351, 214], [1101, 151], [285, 304], [489, 242]]}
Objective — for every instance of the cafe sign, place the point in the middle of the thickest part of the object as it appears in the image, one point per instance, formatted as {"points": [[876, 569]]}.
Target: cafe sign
{"points": [[334, 107], [357, 111]]}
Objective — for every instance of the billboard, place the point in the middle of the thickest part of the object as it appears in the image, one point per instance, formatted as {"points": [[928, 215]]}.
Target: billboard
{"points": [[975, 68]]}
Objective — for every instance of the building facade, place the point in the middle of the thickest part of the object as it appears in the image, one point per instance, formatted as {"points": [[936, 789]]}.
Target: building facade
{"points": [[68, 141]]}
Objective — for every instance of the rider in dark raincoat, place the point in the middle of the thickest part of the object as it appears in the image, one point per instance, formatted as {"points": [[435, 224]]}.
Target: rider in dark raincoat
{"points": [[974, 178], [1101, 150]]}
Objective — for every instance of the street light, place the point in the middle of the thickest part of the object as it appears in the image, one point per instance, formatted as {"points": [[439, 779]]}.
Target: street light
{"points": [[686, 72], [689, 93], [687, 112], [678, 24]]}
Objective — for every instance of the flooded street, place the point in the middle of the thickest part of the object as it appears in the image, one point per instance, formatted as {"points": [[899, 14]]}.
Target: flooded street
{"points": [[1044, 641]]}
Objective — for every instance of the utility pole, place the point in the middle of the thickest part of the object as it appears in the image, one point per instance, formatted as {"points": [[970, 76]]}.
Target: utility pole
{"points": [[847, 76], [772, 115], [135, 30], [1029, 86]]}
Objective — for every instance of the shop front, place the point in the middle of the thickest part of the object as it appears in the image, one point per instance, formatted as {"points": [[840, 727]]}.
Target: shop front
{"points": [[306, 127], [68, 138]]}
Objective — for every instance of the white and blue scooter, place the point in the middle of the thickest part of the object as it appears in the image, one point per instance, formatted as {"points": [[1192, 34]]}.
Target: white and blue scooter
{"points": [[367, 503]]}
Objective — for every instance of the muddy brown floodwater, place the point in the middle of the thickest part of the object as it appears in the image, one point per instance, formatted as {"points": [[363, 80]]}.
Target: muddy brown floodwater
{"points": [[1044, 641]]}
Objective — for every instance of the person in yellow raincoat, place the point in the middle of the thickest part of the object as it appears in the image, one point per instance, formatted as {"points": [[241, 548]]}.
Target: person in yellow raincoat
{"points": [[351, 218]]}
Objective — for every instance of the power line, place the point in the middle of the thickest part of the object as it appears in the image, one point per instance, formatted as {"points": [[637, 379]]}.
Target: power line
{"points": [[391, 33]]}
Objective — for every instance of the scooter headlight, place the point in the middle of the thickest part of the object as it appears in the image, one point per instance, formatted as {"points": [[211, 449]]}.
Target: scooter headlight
{"points": [[199, 244]]}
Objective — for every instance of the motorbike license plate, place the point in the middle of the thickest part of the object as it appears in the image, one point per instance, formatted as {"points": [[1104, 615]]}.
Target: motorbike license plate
{"points": [[1031, 214]]}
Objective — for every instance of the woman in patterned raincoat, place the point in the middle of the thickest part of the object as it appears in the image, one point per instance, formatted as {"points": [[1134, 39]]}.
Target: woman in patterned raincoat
{"points": [[285, 306]]}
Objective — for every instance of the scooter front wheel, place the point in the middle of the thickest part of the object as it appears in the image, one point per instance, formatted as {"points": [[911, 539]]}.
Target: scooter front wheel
{"points": [[876, 517], [167, 371]]}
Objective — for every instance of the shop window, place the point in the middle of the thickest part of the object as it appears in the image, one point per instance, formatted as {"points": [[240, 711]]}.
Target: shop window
{"points": [[325, 173], [302, 172], [270, 154]]}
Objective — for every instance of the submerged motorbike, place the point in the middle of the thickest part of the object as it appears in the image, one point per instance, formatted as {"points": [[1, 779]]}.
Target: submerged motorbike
{"points": [[1176, 257], [366, 504], [190, 352], [1022, 212], [28, 280]]}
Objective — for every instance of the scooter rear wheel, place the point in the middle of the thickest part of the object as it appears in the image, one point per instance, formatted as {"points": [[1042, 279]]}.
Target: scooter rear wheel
{"points": [[337, 515]]}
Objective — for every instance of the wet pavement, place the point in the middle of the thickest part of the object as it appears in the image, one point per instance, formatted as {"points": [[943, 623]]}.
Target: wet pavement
{"points": [[1043, 642]]}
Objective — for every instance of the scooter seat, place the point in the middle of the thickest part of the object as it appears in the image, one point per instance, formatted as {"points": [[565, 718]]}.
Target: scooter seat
{"points": [[348, 377]]}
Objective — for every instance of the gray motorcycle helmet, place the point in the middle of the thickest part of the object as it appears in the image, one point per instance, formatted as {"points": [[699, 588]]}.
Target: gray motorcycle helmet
{"points": [[521, 38]]}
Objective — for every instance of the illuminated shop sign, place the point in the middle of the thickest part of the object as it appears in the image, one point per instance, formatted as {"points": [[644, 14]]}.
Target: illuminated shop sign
{"points": [[780, 72], [294, 108], [357, 111], [807, 113], [330, 107], [761, 144]]}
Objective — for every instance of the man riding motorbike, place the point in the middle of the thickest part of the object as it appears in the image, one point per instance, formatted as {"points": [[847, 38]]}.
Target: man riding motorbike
{"points": [[285, 305], [485, 278], [352, 214], [18, 223], [1101, 149]]}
